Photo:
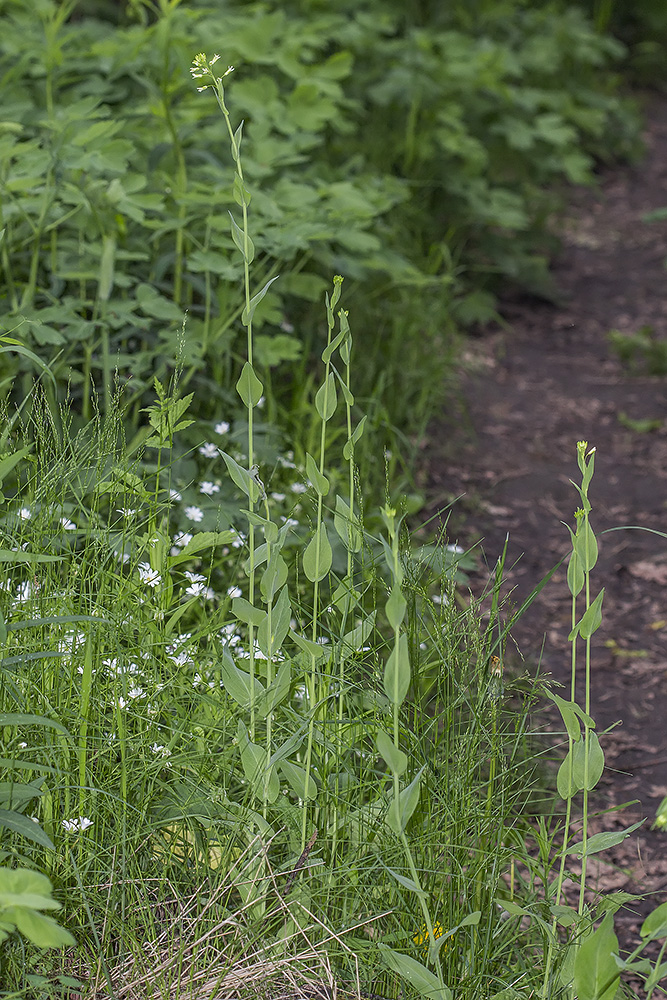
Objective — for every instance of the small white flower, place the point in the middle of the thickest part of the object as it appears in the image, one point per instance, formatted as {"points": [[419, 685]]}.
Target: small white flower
{"points": [[25, 513], [23, 746], [194, 577], [278, 496], [148, 575], [222, 427], [161, 750], [126, 511], [239, 541], [194, 513], [77, 825], [200, 590], [234, 592], [287, 326], [67, 524], [175, 496], [299, 487], [183, 538], [456, 549], [209, 450], [208, 489], [291, 521], [25, 591], [135, 692]]}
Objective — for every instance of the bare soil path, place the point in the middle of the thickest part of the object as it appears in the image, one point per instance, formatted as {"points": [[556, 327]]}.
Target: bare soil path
{"points": [[530, 393]]}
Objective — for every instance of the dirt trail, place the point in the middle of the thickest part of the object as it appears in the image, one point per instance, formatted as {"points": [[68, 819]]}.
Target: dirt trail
{"points": [[530, 393]]}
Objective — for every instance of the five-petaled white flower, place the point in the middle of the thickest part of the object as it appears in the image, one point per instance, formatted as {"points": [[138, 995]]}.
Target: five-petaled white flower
{"points": [[209, 450], [222, 427], [194, 513], [149, 575], [77, 825], [208, 489]]}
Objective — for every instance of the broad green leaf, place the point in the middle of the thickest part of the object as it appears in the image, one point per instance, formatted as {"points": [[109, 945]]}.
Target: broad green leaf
{"points": [[397, 672], [249, 311], [575, 575], [271, 634], [354, 640], [566, 782], [318, 556], [296, 778], [203, 540], [568, 714], [10, 556], [590, 620], [273, 577], [603, 841], [395, 758], [320, 482], [241, 194], [107, 262], [348, 447], [237, 682], [10, 461], [277, 691], [347, 526], [43, 931], [312, 649], [249, 387], [253, 761], [596, 975], [25, 887], [25, 719], [586, 546], [407, 883], [326, 399], [247, 612], [241, 477], [245, 245], [395, 607], [417, 975], [655, 925], [18, 823], [407, 803]]}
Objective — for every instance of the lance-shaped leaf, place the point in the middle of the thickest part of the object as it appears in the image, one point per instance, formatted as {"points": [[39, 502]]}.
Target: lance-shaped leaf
{"points": [[417, 975], [590, 620], [397, 819], [596, 975], [396, 760], [397, 672], [318, 556], [245, 245], [241, 477], [249, 311]]}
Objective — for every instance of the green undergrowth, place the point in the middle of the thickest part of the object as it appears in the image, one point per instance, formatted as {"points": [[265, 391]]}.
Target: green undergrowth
{"points": [[417, 152]]}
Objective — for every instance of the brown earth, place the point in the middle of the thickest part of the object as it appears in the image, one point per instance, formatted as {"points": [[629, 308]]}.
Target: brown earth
{"points": [[531, 390]]}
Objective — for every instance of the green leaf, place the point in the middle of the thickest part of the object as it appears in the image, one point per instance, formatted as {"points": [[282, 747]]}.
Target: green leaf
{"points": [[320, 482], [11, 820], [237, 236], [43, 931], [277, 691], [271, 641], [241, 477], [569, 716], [596, 975], [273, 577], [25, 719], [565, 780], [353, 640], [318, 556], [407, 883], [107, 261], [241, 194], [237, 681], [347, 526], [655, 925], [395, 758], [296, 778], [348, 447], [395, 607], [417, 975], [586, 546], [575, 575], [249, 387], [247, 612], [312, 649], [590, 620], [253, 761], [326, 399], [602, 841], [397, 672], [249, 311], [203, 540], [408, 799]]}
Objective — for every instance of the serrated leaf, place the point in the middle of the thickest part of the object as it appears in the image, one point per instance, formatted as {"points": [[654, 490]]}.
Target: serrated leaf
{"points": [[249, 387], [318, 556], [397, 672], [396, 760]]}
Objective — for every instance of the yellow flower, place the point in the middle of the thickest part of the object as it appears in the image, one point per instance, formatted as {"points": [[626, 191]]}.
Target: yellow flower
{"points": [[421, 937]]}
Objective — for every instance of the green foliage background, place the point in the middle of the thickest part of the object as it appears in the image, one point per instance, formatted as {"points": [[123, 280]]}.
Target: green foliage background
{"points": [[415, 151]]}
